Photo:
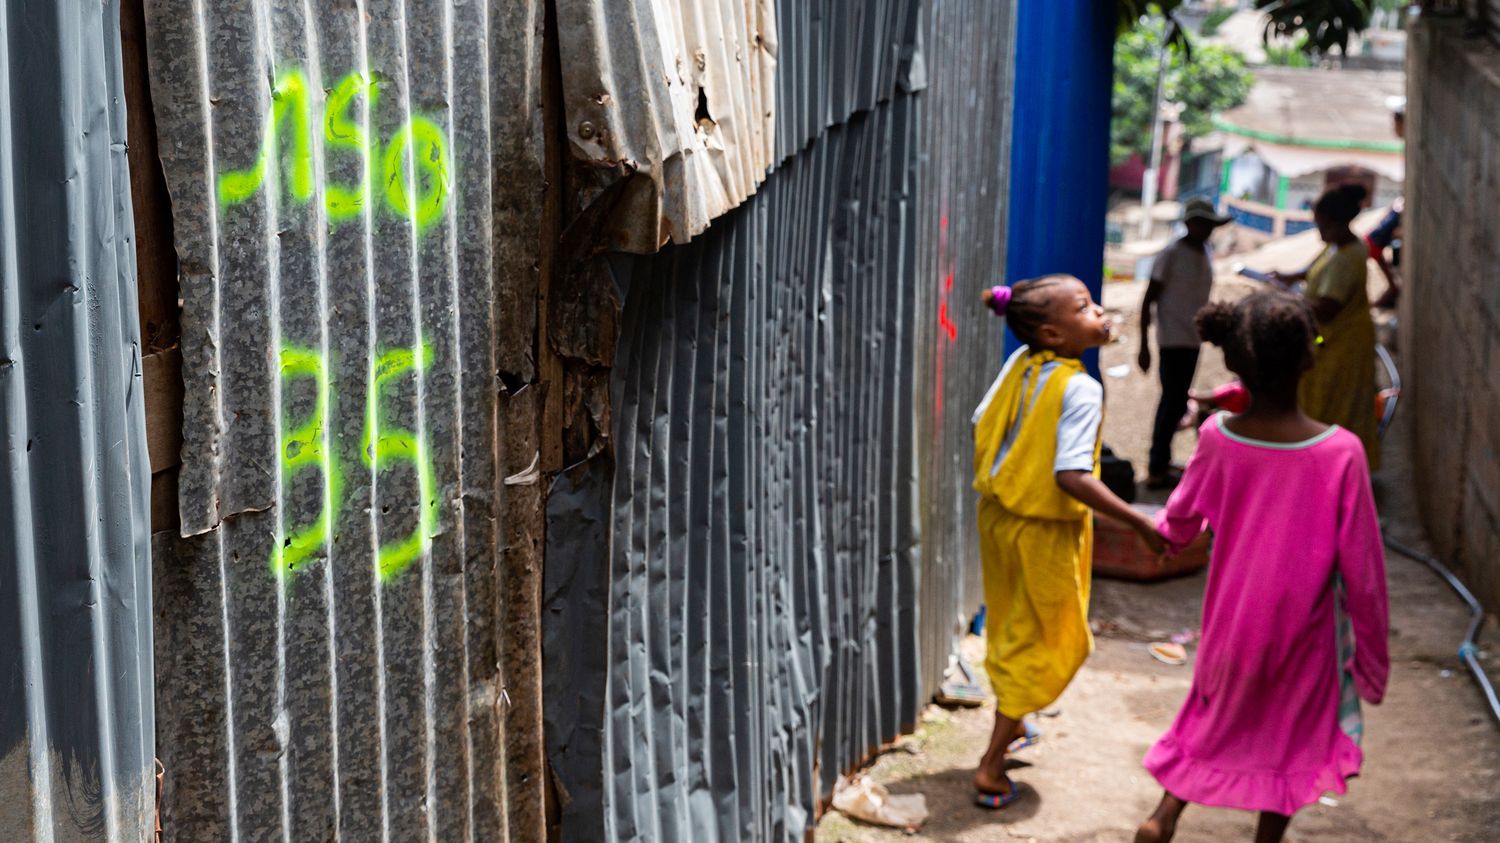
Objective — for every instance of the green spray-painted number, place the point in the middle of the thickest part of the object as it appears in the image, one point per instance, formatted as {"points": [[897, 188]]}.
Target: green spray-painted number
{"points": [[288, 97], [302, 448], [416, 167], [385, 444], [421, 193], [341, 132], [382, 446]]}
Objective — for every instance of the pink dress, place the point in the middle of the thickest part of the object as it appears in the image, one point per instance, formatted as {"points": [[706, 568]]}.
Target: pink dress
{"points": [[1294, 525]]}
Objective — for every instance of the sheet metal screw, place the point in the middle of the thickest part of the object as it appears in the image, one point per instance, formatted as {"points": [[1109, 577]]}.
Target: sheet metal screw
{"points": [[586, 130]]}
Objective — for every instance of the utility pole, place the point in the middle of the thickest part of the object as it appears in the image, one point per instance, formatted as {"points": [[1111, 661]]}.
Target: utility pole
{"points": [[1149, 185]]}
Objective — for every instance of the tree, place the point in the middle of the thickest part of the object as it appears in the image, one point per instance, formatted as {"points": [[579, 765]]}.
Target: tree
{"points": [[1214, 80], [1294, 54], [1326, 23]]}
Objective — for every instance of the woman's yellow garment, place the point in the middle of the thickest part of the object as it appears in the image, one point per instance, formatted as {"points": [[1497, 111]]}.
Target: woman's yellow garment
{"points": [[1340, 389], [1036, 543]]}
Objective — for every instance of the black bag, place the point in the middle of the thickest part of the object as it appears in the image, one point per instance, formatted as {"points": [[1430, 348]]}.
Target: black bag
{"points": [[1117, 474]]}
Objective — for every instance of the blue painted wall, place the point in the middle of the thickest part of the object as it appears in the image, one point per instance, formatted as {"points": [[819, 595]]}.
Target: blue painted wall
{"points": [[1059, 165]]}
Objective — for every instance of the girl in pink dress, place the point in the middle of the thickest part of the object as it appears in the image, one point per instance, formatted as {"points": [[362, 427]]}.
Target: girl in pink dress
{"points": [[1294, 613]]}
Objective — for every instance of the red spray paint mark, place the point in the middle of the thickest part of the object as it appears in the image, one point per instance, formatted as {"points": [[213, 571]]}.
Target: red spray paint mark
{"points": [[948, 327], [945, 320]]}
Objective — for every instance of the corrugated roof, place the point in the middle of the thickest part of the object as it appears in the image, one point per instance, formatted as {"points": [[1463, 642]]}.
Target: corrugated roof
{"points": [[1319, 107]]}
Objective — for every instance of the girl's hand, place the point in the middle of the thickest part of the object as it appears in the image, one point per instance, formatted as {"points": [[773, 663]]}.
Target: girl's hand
{"points": [[1154, 540], [1147, 530], [1144, 358]]}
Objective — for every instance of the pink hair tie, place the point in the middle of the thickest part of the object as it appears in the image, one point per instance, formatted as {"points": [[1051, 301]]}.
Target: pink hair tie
{"points": [[999, 299]]}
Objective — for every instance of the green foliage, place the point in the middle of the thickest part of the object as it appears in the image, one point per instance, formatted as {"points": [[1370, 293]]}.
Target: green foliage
{"points": [[1328, 24], [1294, 54], [1132, 11], [1136, 14], [1213, 80]]}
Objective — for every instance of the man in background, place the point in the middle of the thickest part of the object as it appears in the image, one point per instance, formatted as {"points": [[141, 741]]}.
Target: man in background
{"points": [[1181, 278]]}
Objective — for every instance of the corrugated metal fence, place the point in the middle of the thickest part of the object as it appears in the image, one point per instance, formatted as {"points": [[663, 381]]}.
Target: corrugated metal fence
{"points": [[762, 552], [75, 594], [789, 521], [347, 637]]}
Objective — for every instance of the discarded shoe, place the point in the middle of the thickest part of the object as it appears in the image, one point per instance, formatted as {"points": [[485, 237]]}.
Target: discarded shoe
{"points": [[862, 798], [963, 694], [1168, 652]]}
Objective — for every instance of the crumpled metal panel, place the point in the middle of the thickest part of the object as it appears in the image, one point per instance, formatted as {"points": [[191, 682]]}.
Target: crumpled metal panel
{"points": [[683, 106], [347, 642], [76, 728], [675, 98], [792, 547]]}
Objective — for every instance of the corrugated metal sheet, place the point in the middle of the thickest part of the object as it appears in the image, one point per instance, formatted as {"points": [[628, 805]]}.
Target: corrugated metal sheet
{"points": [[790, 531], [676, 99], [75, 588], [347, 633], [683, 107], [348, 627], [963, 210]]}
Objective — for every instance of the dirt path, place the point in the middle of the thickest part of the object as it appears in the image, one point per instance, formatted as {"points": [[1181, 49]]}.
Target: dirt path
{"points": [[1432, 767]]}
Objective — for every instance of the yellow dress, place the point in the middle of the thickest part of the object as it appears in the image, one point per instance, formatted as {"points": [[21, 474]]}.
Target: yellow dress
{"points": [[1036, 544], [1340, 389]]}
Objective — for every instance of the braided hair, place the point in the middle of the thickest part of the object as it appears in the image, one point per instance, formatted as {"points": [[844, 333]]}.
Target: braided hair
{"points": [[1024, 305], [1267, 338]]}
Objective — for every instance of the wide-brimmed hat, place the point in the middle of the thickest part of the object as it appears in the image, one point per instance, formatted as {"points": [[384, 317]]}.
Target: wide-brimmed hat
{"points": [[1198, 208]]}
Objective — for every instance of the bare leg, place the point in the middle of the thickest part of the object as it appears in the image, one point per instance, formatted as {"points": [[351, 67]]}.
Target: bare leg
{"points": [[990, 777], [1162, 824], [1392, 284], [1271, 827]]}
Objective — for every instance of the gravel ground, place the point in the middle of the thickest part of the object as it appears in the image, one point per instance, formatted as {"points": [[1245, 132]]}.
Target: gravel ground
{"points": [[1432, 752]]}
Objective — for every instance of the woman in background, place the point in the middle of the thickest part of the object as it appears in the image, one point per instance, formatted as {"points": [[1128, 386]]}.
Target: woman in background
{"points": [[1340, 389]]}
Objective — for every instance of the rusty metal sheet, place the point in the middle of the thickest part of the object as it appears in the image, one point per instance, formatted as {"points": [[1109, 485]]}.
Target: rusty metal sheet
{"points": [[792, 551], [675, 97], [76, 730], [342, 647]]}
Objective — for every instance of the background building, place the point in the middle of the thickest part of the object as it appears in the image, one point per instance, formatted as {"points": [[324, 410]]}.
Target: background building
{"points": [[1331, 127]]}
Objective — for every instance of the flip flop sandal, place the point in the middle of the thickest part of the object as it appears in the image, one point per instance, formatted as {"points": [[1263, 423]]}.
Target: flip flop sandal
{"points": [[1032, 737], [996, 801], [1173, 654]]}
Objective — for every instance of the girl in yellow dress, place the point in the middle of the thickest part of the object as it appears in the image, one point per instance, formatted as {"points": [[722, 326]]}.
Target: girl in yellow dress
{"points": [[1340, 389], [1036, 452]]}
